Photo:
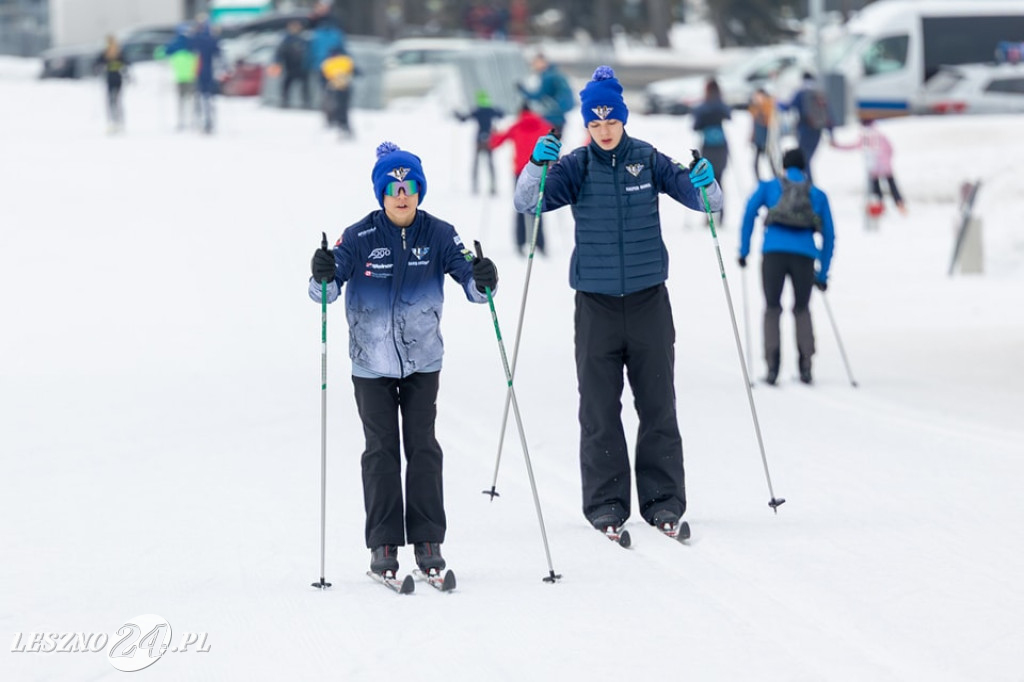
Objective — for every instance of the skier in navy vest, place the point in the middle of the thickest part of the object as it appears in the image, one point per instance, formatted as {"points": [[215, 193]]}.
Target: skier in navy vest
{"points": [[789, 251], [623, 317], [393, 262]]}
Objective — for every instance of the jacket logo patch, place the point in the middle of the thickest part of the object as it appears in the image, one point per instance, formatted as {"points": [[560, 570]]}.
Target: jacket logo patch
{"points": [[399, 173], [635, 168], [421, 252], [379, 252], [602, 112]]}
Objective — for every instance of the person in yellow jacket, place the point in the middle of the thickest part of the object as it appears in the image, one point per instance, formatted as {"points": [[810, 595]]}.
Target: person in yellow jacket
{"points": [[338, 71], [184, 67]]}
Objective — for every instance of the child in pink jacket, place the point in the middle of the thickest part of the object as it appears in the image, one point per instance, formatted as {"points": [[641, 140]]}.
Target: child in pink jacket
{"points": [[878, 155]]}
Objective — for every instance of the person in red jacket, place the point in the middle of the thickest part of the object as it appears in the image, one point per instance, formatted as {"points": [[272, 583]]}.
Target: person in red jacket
{"points": [[523, 135]]}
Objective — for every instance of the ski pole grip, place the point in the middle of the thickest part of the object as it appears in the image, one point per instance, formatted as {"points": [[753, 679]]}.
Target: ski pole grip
{"points": [[696, 158], [479, 249], [323, 240]]}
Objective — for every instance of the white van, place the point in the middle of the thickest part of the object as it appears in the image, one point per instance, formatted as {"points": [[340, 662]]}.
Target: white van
{"points": [[892, 47]]}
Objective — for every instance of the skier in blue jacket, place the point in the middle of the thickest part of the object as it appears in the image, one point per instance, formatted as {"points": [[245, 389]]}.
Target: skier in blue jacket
{"points": [[392, 264], [623, 317], [790, 250]]}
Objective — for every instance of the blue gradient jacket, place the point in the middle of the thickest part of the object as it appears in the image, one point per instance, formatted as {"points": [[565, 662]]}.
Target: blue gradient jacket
{"points": [[782, 239], [395, 291]]}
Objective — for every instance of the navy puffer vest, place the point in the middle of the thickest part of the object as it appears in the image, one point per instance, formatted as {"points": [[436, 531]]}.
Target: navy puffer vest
{"points": [[619, 249]]}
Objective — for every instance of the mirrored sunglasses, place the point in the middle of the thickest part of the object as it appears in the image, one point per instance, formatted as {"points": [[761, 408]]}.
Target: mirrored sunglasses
{"points": [[410, 186]]}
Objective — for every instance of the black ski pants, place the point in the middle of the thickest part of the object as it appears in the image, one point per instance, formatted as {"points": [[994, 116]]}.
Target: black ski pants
{"points": [[380, 402], [634, 333], [775, 268]]}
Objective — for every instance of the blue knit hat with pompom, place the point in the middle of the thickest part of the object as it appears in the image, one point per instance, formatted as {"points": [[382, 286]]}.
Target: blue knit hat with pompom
{"points": [[601, 97], [394, 163]]}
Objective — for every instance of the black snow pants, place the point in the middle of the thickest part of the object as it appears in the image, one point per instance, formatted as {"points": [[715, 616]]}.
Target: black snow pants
{"points": [[380, 401], [775, 267], [636, 333]]}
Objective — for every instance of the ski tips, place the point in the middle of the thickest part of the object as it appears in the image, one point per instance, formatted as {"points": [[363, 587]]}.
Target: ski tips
{"points": [[776, 502]]}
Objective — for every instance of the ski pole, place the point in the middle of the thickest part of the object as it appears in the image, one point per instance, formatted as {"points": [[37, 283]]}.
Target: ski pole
{"points": [[552, 576], [519, 330], [835, 330], [774, 502], [322, 584], [746, 322]]}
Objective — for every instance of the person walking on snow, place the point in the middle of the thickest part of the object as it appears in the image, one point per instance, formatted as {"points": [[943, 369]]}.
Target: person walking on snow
{"points": [[114, 65], [797, 211], [392, 263], [623, 319], [184, 67], [812, 118], [207, 46], [553, 94], [523, 134], [485, 114], [878, 155], [709, 120]]}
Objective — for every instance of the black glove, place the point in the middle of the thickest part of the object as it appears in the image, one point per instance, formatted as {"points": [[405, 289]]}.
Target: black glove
{"points": [[485, 274], [742, 260], [323, 266], [821, 284]]}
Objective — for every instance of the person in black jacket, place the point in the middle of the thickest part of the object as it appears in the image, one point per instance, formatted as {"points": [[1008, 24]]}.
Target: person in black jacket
{"points": [[709, 119], [291, 56], [623, 317]]}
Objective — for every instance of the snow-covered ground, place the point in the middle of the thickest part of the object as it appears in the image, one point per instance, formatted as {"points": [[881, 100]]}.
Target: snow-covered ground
{"points": [[160, 419]]}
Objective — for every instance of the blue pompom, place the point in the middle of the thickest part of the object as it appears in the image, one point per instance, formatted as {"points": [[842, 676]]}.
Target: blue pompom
{"points": [[386, 148], [603, 73]]}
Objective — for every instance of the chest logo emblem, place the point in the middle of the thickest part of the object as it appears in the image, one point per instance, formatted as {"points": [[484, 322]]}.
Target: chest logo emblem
{"points": [[634, 169]]}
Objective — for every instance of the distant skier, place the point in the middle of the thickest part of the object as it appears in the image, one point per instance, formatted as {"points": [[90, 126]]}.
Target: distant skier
{"points": [[709, 120], [878, 155], [762, 115], [206, 45], [184, 67], [553, 94], [292, 56], [338, 71], [115, 67], [813, 117], [523, 134], [485, 114], [797, 212], [393, 263]]}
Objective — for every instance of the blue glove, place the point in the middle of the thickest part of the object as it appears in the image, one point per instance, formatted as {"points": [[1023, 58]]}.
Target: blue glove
{"points": [[547, 149], [701, 173]]}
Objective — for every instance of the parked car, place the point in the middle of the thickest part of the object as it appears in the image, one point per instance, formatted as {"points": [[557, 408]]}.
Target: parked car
{"points": [[243, 75], [78, 61], [778, 66], [974, 89], [414, 66]]}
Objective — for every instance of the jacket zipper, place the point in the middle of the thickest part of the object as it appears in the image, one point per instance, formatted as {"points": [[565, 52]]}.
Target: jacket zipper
{"points": [[399, 272]]}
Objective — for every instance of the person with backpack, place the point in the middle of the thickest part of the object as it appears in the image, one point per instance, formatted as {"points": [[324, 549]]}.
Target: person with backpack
{"points": [[709, 119], [553, 94], [291, 56], [339, 71], [623, 318], [392, 264], [485, 114], [523, 134], [811, 107], [797, 213]]}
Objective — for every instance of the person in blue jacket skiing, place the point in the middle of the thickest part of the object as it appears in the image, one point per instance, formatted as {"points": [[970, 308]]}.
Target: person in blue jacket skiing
{"points": [[392, 264], [623, 318], [205, 43], [797, 212]]}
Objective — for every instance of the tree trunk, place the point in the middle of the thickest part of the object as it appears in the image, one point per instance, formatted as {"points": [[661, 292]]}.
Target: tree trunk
{"points": [[659, 16]]}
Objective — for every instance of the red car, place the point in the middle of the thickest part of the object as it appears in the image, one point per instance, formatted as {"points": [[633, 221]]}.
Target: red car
{"points": [[245, 77]]}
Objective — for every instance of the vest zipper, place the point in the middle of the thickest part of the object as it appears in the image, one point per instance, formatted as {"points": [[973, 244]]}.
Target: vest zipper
{"points": [[622, 237]]}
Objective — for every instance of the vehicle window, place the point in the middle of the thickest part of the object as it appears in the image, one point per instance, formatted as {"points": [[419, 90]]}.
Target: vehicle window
{"points": [[885, 55], [770, 69], [409, 57], [944, 81], [965, 40], [1013, 86]]}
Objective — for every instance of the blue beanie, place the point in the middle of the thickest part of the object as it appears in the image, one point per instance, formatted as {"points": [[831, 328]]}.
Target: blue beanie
{"points": [[601, 98], [393, 164]]}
